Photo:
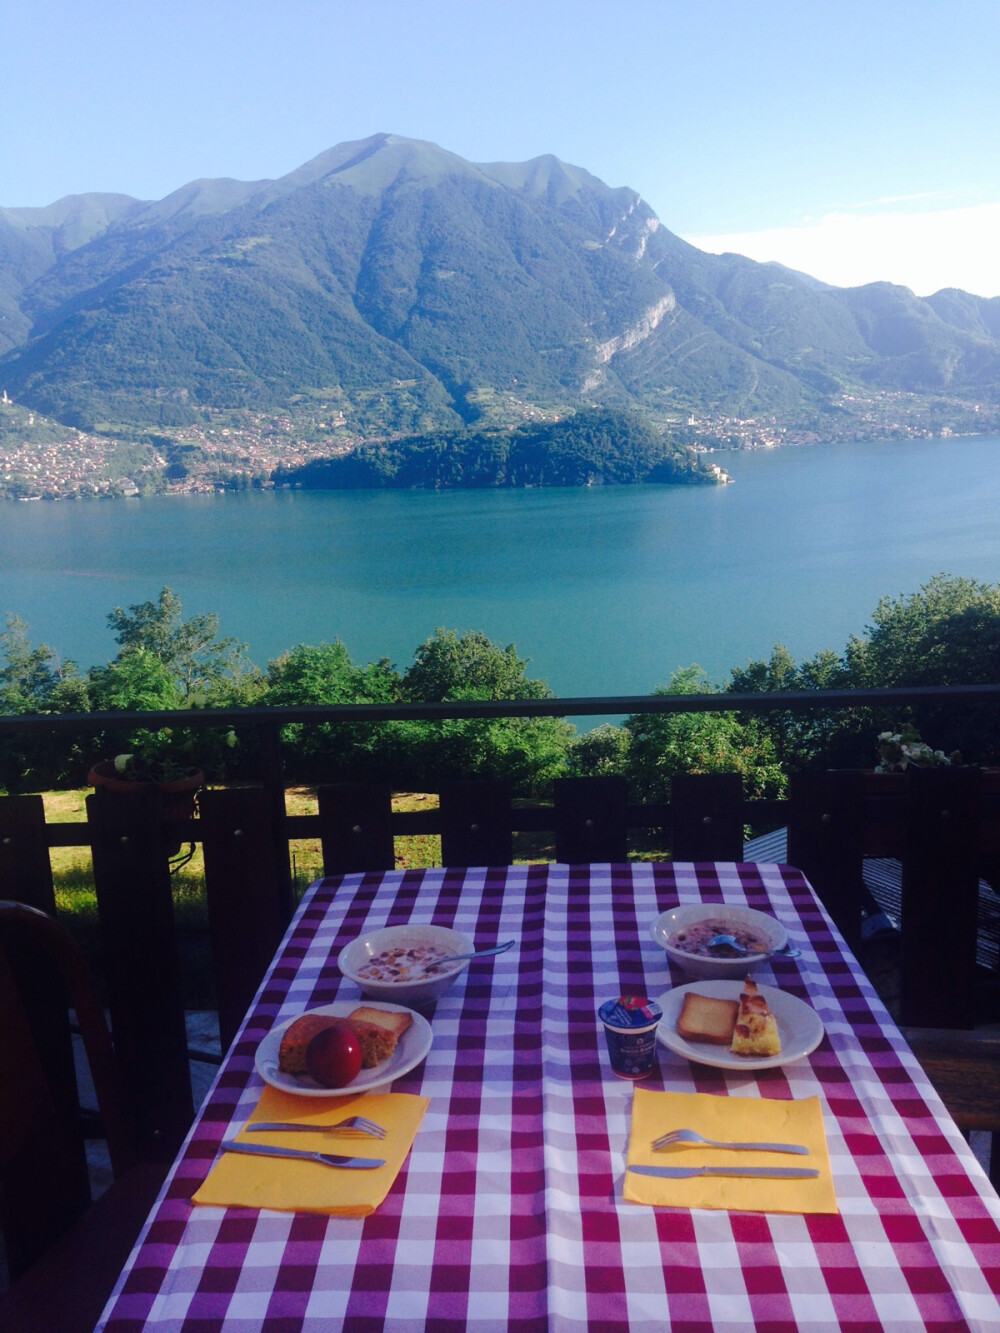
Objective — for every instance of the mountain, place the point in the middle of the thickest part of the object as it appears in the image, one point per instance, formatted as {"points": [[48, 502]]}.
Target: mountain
{"points": [[389, 287], [32, 240]]}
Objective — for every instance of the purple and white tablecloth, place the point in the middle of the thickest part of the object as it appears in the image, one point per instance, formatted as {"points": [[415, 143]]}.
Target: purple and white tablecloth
{"points": [[508, 1214]]}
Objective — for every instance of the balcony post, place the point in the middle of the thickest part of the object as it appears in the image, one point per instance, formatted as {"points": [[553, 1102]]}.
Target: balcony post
{"points": [[706, 812], [141, 964], [940, 897], [590, 819], [825, 823], [272, 772], [25, 866], [246, 916]]}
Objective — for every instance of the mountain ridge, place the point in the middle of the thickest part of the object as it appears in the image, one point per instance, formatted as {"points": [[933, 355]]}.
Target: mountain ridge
{"points": [[391, 287]]}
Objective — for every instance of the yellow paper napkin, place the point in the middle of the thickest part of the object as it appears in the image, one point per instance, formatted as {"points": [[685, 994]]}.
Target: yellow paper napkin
{"points": [[240, 1181], [750, 1119]]}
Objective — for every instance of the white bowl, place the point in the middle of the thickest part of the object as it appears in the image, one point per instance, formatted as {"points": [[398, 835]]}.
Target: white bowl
{"points": [[667, 924], [355, 955]]}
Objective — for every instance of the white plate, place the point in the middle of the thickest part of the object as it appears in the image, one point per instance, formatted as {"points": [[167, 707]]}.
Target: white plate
{"points": [[799, 1027], [411, 1048]]}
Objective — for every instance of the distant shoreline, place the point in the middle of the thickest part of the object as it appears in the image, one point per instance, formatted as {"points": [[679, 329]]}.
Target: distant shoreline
{"points": [[197, 487]]}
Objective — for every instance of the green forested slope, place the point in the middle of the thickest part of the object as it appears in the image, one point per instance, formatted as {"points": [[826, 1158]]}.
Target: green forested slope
{"points": [[416, 286], [594, 447]]}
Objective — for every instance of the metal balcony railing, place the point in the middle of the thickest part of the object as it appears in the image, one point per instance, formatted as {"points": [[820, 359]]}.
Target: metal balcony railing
{"points": [[269, 722]]}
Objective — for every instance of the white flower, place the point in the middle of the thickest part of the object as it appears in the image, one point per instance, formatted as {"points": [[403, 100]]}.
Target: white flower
{"points": [[122, 762]]}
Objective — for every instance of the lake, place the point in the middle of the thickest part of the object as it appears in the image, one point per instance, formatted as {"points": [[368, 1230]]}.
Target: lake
{"points": [[607, 591]]}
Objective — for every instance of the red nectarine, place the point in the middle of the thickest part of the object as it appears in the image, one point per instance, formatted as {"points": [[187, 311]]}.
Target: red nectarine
{"points": [[333, 1056]]}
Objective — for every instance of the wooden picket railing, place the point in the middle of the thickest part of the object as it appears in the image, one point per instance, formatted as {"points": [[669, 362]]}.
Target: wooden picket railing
{"points": [[944, 824]]}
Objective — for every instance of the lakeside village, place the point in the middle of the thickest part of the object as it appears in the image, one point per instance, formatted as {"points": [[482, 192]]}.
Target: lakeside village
{"points": [[41, 460]]}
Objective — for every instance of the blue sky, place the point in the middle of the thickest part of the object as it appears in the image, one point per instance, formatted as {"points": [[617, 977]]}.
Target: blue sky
{"points": [[854, 140]]}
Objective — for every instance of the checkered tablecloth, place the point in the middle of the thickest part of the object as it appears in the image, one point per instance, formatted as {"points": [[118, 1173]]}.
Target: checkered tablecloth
{"points": [[509, 1213]]}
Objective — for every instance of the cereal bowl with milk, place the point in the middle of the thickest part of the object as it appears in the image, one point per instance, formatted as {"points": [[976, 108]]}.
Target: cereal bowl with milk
{"points": [[684, 934], [397, 963]]}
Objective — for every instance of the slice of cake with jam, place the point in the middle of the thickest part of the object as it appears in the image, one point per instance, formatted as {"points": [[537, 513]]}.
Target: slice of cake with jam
{"points": [[756, 1032]]}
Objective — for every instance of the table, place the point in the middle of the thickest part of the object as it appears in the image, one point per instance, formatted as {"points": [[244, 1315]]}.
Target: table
{"points": [[509, 1213]]}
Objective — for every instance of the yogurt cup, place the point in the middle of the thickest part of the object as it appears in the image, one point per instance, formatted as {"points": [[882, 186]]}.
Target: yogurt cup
{"points": [[630, 1028]]}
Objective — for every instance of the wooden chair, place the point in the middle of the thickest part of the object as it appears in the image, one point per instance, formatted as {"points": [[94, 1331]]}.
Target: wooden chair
{"points": [[63, 1254], [965, 1069], [942, 995]]}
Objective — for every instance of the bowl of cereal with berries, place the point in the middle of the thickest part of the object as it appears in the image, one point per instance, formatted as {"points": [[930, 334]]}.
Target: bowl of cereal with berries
{"points": [[400, 963]]}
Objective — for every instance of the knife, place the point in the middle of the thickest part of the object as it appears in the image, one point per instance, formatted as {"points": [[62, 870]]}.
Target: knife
{"points": [[772, 1172], [324, 1158]]}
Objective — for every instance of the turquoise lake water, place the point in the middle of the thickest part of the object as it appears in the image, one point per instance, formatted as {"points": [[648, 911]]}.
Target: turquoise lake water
{"points": [[607, 591]]}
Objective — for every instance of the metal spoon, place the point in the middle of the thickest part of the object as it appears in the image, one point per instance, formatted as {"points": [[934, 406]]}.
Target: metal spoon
{"points": [[728, 941], [460, 957]]}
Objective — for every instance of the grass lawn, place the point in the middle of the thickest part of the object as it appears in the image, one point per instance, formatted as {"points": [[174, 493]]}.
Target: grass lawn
{"points": [[76, 902]]}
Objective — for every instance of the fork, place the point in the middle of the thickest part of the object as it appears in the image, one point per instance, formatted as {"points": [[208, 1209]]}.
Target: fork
{"points": [[692, 1136], [354, 1124]]}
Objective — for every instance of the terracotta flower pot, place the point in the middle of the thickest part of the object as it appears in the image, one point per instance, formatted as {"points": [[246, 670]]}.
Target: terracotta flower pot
{"points": [[178, 794]]}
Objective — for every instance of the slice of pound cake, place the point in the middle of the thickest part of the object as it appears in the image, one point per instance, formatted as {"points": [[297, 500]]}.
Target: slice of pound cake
{"points": [[706, 1018], [378, 1031]]}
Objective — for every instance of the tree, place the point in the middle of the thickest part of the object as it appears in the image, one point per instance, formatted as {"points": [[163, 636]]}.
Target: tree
{"points": [[946, 633], [167, 662], [663, 744], [137, 680], [324, 674], [32, 680], [29, 676], [527, 752], [800, 738], [601, 752], [205, 669], [450, 665]]}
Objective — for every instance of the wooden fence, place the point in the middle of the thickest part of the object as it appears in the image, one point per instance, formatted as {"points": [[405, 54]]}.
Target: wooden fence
{"points": [[943, 824]]}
